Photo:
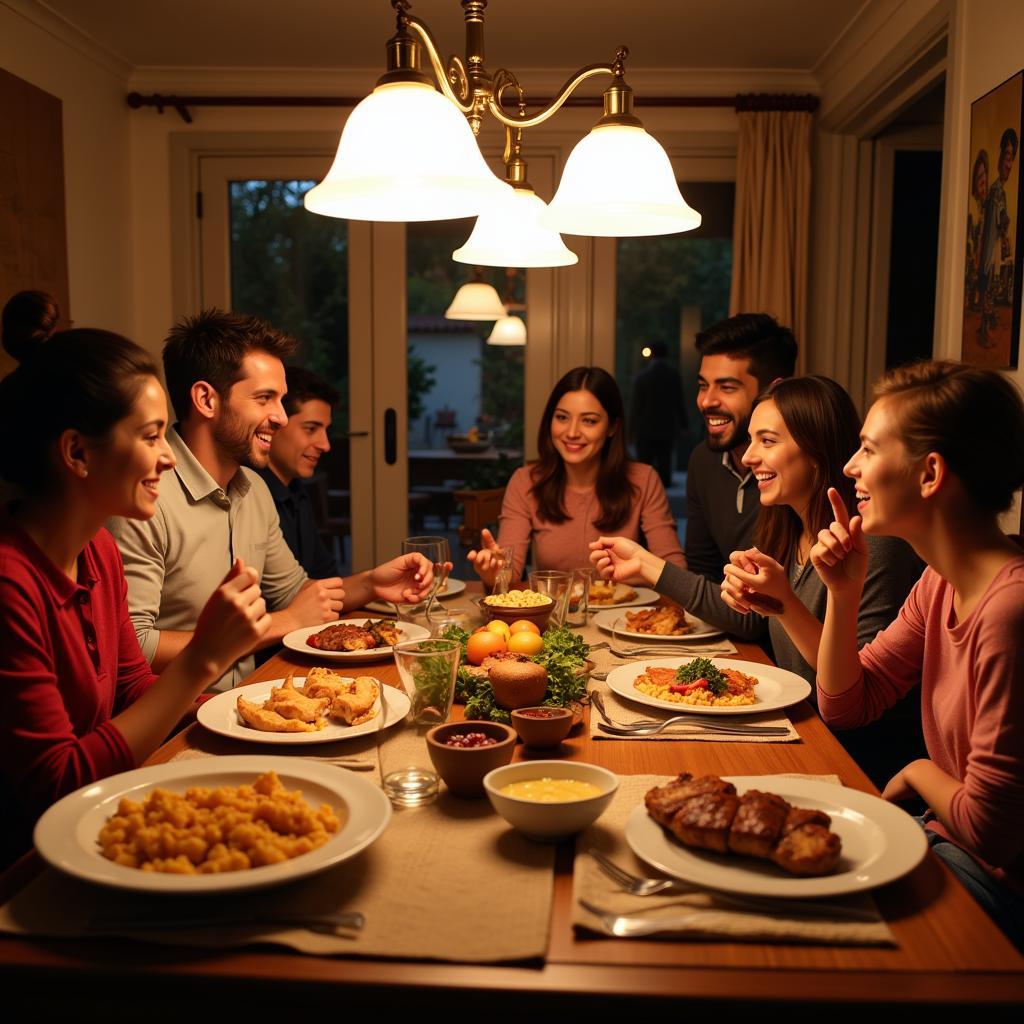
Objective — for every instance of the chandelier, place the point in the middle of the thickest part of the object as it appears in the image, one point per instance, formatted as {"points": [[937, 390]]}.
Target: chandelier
{"points": [[408, 152]]}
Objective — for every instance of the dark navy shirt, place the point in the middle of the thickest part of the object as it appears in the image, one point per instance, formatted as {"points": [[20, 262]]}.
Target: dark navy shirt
{"points": [[298, 524]]}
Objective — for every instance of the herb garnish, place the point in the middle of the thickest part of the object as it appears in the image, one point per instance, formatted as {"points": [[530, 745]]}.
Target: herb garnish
{"points": [[702, 668]]}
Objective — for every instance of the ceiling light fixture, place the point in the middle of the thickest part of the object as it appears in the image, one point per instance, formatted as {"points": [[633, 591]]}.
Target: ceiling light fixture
{"points": [[405, 153], [509, 330], [476, 300]]}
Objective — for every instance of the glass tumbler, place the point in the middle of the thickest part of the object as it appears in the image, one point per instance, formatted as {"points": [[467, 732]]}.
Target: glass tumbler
{"points": [[556, 585]]}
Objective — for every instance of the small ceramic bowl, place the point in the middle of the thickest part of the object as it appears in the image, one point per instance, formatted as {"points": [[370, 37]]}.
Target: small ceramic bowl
{"points": [[549, 823], [537, 614], [463, 768], [542, 727]]}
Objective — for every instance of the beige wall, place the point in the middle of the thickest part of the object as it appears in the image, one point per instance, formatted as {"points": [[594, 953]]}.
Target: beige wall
{"points": [[96, 161]]}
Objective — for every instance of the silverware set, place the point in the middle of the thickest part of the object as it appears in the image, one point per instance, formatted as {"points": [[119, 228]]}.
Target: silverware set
{"points": [[707, 650], [354, 764], [629, 924], [653, 726]]}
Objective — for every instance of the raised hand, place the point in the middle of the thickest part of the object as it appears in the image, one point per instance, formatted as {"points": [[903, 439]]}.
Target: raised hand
{"points": [[840, 556], [404, 580], [317, 602], [622, 560], [756, 582], [488, 560], [232, 621]]}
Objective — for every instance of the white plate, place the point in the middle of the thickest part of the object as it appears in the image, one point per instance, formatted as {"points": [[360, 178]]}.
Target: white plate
{"points": [[387, 608], [66, 835], [776, 688], [220, 714], [612, 617], [880, 844], [296, 641], [644, 595]]}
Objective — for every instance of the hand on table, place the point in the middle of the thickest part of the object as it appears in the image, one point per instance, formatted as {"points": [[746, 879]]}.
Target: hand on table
{"points": [[317, 602], [840, 557]]}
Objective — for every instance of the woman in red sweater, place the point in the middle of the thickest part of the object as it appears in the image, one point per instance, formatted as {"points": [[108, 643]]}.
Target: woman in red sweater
{"points": [[83, 418], [942, 452]]}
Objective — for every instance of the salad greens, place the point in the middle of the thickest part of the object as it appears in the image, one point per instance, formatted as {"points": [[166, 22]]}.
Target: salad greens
{"points": [[702, 668]]}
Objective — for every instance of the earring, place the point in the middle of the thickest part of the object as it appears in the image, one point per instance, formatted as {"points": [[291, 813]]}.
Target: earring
{"points": [[83, 473]]}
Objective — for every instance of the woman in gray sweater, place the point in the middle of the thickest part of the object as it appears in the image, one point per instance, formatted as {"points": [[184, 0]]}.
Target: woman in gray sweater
{"points": [[803, 430]]}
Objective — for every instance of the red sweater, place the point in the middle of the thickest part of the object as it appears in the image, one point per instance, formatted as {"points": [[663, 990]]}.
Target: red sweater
{"points": [[972, 693], [69, 661]]}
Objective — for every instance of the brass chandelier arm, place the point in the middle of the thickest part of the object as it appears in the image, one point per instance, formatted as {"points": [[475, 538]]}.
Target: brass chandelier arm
{"points": [[571, 84], [455, 67]]}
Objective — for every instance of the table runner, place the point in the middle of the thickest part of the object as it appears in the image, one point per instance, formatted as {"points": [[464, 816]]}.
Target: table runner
{"points": [[711, 920]]}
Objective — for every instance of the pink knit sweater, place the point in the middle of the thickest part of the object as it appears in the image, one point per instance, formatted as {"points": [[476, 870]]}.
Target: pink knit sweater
{"points": [[972, 692], [565, 545]]}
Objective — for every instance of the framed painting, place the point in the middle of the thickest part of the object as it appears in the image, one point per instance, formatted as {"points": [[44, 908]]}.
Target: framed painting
{"points": [[995, 230]]}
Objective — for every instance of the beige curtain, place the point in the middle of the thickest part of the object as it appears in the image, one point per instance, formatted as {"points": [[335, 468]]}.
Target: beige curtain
{"points": [[771, 226]]}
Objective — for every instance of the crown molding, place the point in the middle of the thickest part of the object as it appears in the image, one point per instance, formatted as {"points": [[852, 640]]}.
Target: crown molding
{"points": [[53, 24]]}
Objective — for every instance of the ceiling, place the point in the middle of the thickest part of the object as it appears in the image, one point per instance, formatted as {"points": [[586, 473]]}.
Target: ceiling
{"points": [[694, 34]]}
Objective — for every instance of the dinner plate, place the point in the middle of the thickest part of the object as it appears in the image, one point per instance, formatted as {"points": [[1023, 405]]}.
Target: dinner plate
{"points": [[880, 844], [66, 835], [644, 595], [220, 715], [387, 608], [296, 641], [776, 687], [612, 620]]}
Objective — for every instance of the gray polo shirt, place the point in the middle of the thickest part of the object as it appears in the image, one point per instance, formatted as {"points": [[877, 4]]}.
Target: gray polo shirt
{"points": [[175, 561]]}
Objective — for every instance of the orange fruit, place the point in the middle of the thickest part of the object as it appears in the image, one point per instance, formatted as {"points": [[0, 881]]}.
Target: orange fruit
{"points": [[526, 642], [497, 626], [482, 644], [524, 626]]}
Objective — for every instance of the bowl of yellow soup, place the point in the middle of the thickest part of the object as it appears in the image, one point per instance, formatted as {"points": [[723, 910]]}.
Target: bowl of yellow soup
{"points": [[550, 800]]}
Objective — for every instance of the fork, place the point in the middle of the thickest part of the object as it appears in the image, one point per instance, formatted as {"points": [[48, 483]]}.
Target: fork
{"points": [[650, 650], [724, 727], [323, 924], [625, 927], [637, 886]]}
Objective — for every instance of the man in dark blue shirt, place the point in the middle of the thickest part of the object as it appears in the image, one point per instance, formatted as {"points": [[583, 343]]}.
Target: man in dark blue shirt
{"points": [[294, 453]]}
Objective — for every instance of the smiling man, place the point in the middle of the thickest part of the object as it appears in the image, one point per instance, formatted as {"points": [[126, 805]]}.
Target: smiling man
{"points": [[294, 455], [226, 381]]}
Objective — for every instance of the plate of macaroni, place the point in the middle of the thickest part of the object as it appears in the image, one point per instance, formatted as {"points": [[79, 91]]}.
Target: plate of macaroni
{"points": [[286, 818], [649, 681]]}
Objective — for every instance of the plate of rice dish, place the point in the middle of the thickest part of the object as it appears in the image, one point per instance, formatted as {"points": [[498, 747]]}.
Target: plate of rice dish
{"points": [[724, 686]]}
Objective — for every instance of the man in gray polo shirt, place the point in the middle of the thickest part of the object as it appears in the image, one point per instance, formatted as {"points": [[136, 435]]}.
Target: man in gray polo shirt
{"points": [[226, 379]]}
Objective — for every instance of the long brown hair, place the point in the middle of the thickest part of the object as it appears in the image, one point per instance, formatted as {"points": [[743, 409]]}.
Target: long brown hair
{"points": [[821, 418], [615, 493], [973, 417]]}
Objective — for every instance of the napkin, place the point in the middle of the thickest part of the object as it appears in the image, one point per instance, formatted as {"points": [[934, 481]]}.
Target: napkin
{"points": [[709, 919], [627, 712]]}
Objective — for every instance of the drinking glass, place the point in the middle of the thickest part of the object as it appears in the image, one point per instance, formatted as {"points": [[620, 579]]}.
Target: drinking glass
{"points": [[579, 596], [436, 551], [503, 579], [556, 585], [427, 669]]}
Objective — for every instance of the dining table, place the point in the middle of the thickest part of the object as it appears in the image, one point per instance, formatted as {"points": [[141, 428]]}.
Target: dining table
{"points": [[946, 951]]}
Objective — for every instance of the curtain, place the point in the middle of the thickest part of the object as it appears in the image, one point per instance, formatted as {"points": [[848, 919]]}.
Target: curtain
{"points": [[771, 226]]}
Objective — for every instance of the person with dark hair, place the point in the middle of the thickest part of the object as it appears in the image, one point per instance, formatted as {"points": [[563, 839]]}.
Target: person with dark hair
{"points": [[582, 485], [927, 471], [657, 413], [226, 380], [28, 319], [294, 455], [78, 701]]}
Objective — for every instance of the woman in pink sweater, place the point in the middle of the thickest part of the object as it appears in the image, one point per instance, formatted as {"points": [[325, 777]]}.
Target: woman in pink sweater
{"points": [[942, 452], [583, 485]]}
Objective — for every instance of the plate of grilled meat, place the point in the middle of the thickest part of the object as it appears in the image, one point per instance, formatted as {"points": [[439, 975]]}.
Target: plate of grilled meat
{"points": [[664, 622], [774, 836], [353, 639]]}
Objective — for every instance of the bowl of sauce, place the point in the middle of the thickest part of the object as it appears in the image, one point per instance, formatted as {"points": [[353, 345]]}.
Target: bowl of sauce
{"points": [[542, 726], [550, 800]]}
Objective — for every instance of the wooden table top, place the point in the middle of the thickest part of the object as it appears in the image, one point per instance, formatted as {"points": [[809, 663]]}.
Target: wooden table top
{"points": [[948, 950]]}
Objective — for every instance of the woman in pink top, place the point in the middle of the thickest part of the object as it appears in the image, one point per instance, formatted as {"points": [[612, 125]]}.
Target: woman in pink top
{"points": [[583, 485], [942, 452]]}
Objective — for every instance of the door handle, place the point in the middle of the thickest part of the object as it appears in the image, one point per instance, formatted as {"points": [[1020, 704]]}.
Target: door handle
{"points": [[390, 436]]}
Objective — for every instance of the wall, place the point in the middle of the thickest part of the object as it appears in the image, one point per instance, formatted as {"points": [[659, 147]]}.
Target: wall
{"points": [[985, 49], [41, 50]]}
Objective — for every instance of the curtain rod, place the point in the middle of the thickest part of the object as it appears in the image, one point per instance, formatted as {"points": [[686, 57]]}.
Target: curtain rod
{"points": [[741, 102]]}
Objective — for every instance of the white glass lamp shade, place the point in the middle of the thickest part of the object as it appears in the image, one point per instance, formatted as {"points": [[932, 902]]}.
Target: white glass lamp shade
{"points": [[618, 182], [406, 154], [476, 301], [509, 330], [508, 233]]}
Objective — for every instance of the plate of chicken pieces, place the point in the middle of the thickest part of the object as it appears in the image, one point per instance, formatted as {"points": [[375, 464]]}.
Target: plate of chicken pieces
{"points": [[774, 836], [664, 622], [320, 707], [353, 639]]}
